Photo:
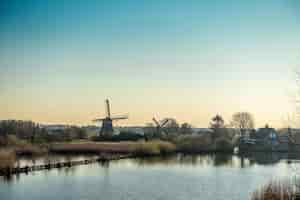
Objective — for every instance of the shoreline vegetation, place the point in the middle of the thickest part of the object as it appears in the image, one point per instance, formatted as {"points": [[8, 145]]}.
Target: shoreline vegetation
{"points": [[277, 190], [15, 148]]}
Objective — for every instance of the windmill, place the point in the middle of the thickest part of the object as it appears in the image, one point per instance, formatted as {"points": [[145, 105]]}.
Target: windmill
{"points": [[107, 127], [160, 125]]}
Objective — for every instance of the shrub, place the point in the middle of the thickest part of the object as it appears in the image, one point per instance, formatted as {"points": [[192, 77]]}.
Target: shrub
{"points": [[223, 145], [194, 144], [153, 148]]}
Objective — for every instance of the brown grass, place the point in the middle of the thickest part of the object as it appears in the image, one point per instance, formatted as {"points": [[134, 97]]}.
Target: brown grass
{"points": [[155, 147], [22, 147], [274, 191], [7, 158]]}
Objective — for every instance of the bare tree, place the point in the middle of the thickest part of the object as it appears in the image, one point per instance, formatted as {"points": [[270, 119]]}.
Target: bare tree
{"points": [[242, 121]]}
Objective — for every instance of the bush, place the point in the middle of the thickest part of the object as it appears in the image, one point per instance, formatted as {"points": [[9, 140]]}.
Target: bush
{"points": [[194, 144], [223, 145], [153, 148]]}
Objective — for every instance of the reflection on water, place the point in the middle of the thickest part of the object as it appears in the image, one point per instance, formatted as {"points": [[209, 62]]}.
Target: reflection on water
{"points": [[207, 176], [51, 158], [229, 160]]}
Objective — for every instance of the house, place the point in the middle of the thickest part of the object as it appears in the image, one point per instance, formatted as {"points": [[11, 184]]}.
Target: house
{"points": [[265, 139], [266, 135]]}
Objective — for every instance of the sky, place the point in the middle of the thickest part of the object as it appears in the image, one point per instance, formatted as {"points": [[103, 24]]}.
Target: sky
{"points": [[190, 60]]}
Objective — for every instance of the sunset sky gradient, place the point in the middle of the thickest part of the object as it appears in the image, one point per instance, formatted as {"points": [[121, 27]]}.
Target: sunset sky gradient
{"points": [[189, 60]]}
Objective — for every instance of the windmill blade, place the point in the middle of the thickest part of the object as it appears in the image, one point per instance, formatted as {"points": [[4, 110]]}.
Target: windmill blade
{"points": [[98, 120], [156, 122], [165, 132], [164, 122], [119, 117]]}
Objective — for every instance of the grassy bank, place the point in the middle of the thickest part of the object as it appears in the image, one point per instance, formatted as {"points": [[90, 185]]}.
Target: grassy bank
{"points": [[276, 191], [137, 148], [7, 159], [23, 147]]}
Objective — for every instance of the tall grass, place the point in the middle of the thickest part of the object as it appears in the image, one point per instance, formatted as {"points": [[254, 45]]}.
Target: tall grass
{"points": [[22, 147], [137, 148], [153, 148], [275, 191], [7, 159]]}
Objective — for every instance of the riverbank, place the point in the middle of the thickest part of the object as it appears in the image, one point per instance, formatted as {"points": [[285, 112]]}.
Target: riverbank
{"points": [[183, 144], [104, 150], [103, 158]]}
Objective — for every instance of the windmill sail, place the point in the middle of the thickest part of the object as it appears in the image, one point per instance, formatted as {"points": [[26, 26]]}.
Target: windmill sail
{"points": [[107, 127]]}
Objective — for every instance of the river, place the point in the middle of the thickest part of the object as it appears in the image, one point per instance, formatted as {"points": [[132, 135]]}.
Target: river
{"points": [[177, 177]]}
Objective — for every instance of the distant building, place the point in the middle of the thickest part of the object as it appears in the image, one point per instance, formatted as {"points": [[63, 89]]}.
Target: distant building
{"points": [[54, 128], [264, 139]]}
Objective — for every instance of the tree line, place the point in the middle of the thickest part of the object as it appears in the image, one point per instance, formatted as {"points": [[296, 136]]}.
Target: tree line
{"points": [[35, 133]]}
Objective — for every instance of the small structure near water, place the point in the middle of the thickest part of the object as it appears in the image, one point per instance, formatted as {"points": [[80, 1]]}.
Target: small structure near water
{"points": [[267, 139]]}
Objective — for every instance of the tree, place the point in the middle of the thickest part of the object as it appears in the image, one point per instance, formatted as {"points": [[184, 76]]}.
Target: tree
{"points": [[217, 122], [186, 128], [242, 121]]}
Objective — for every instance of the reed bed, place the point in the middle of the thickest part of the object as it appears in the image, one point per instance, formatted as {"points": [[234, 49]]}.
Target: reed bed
{"points": [[7, 159], [31, 150], [276, 191], [138, 148]]}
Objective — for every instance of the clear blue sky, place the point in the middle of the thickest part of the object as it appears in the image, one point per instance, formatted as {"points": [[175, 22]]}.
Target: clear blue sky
{"points": [[59, 60]]}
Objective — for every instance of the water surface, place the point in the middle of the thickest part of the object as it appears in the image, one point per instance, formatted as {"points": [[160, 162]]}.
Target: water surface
{"points": [[177, 177]]}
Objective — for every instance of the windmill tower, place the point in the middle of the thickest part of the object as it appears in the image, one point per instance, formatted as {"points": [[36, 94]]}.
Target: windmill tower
{"points": [[107, 126]]}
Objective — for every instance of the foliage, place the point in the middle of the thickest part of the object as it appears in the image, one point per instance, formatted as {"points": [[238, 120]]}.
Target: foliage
{"points": [[222, 141], [194, 144], [154, 148], [223, 145], [34, 133], [22, 129]]}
